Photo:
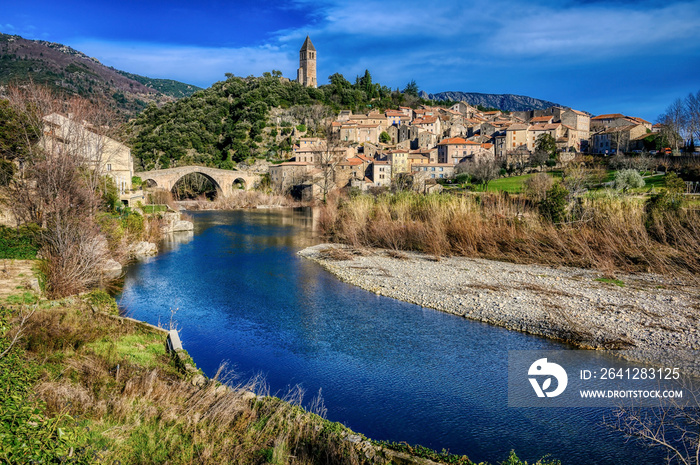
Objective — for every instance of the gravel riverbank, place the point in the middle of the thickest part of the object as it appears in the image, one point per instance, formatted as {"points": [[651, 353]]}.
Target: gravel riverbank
{"points": [[653, 318]]}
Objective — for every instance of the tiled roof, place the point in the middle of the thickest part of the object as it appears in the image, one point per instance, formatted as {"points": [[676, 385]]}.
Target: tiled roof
{"points": [[609, 116], [453, 141], [541, 119]]}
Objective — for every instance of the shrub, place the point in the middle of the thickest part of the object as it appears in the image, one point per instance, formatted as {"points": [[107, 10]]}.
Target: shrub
{"points": [[553, 206], [301, 128], [626, 179], [538, 185], [21, 243]]}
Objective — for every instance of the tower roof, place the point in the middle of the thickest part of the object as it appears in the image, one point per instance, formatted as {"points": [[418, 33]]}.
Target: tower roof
{"points": [[307, 45]]}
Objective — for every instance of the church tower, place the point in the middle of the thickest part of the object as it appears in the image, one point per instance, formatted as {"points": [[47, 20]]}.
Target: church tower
{"points": [[306, 74]]}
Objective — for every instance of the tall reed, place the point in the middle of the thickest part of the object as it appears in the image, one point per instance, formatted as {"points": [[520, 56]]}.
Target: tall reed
{"points": [[609, 233]]}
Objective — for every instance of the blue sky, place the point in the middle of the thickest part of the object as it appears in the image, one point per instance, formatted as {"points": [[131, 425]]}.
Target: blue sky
{"points": [[632, 57]]}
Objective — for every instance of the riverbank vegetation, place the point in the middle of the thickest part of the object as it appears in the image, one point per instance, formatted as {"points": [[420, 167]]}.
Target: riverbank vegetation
{"points": [[80, 385], [605, 231], [66, 207]]}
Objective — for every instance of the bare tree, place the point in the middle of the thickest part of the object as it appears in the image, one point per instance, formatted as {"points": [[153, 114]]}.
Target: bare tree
{"points": [[326, 159], [673, 427], [692, 111], [481, 172], [674, 123]]}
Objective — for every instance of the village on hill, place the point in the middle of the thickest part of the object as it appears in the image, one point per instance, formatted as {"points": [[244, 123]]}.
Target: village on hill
{"points": [[427, 144]]}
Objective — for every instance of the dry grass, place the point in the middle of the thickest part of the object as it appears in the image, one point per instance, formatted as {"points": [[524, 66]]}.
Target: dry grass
{"points": [[612, 234], [141, 414], [245, 199]]}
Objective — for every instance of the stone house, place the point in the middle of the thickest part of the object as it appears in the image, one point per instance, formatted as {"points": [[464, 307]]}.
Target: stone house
{"points": [[432, 124], [102, 153], [617, 138], [285, 176], [435, 170], [352, 169], [580, 122], [517, 136], [399, 161], [381, 173]]}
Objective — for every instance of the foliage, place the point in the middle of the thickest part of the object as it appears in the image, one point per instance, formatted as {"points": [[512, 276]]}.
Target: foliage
{"points": [[7, 171], [27, 434], [301, 127], [22, 243], [384, 137], [102, 301], [109, 193], [553, 206], [17, 129], [426, 453], [411, 88], [626, 179]]}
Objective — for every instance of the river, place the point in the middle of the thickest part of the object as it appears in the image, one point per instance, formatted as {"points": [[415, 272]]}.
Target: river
{"points": [[239, 294]]}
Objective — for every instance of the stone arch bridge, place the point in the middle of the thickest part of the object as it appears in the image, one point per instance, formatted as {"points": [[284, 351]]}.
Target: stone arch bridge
{"points": [[225, 181]]}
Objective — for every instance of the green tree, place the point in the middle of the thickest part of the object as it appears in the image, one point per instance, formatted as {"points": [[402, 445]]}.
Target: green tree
{"points": [[546, 143], [384, 137], [17, 131], [411, 88]]}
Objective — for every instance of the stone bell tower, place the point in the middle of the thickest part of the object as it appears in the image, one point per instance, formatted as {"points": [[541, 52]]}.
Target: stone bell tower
{"points": [[306, 74]]}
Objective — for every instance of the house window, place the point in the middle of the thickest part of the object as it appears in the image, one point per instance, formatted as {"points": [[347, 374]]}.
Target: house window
{"points": [[109, 167]]}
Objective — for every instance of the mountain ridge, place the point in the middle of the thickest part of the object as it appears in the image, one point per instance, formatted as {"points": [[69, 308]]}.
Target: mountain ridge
{"points": [[507, 102], [71, 71]]}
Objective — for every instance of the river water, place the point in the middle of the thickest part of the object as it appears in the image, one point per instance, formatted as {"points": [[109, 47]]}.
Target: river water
{"points": [[239, 294]]}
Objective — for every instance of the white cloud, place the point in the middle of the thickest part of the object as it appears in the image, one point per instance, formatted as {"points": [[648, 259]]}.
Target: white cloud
{"points": [[194, 65]]}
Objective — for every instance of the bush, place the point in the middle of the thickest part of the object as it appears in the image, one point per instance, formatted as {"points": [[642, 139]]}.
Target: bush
{"points": [[21, 244], [538, 185], [301, 128], [7, 171], [553, 206], [626, 179]]}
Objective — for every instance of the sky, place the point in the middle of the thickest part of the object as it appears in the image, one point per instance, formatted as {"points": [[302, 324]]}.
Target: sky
{"points": [[613, 56]]}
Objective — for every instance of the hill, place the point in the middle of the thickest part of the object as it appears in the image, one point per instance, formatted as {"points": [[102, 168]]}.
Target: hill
{"points": [[508, 102], [68, 70]]}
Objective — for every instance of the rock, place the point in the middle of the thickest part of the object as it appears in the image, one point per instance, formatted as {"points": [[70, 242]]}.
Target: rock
{"points": [[143, 249], [112, 269], [182, 225], [199, 380]]}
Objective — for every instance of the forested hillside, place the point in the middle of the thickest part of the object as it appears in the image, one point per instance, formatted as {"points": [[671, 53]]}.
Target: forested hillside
{"points": [[246, 117], [71, 72]]}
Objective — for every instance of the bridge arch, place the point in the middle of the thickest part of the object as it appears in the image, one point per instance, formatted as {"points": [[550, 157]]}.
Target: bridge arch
{"points": [[240, 183], [191, 184], [150, 182]]}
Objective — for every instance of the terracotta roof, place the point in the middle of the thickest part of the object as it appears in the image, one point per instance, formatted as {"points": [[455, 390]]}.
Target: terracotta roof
{"points": [[541, 119], [335, 124], [609, 116], [517, 127], [453, 141], [425, 120], [487, 145], [578, 112], [352, 162], [381, 162], [638, 120]]}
